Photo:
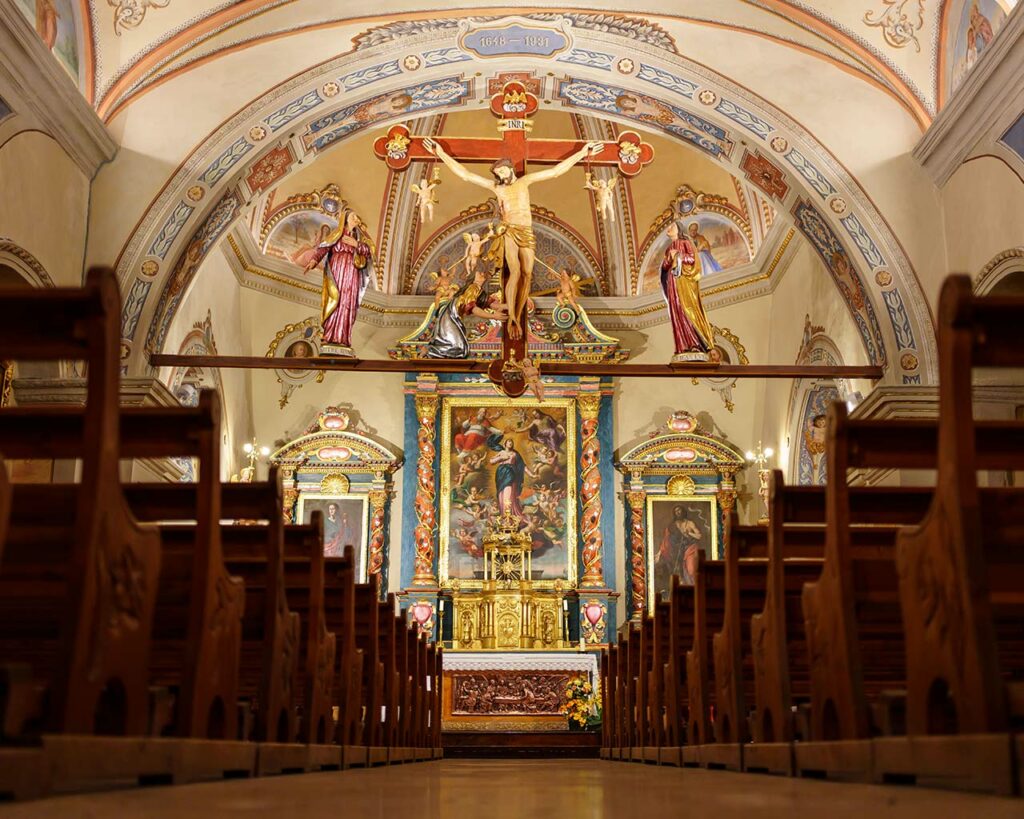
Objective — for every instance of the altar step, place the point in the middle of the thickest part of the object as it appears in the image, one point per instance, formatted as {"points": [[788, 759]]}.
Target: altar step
{"points": [[521, 745]]}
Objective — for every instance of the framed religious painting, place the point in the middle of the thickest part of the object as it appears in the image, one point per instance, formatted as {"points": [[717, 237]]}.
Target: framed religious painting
{"points": [[345, 523], [508, 457], [679, 528]]}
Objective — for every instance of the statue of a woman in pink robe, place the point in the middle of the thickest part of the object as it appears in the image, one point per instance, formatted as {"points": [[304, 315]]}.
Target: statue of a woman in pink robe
{"points": [[680, 283], [347, 272]]}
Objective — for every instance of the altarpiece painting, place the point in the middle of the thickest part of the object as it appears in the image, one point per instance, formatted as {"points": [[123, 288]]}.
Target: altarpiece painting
{"points": [[503, 457]]}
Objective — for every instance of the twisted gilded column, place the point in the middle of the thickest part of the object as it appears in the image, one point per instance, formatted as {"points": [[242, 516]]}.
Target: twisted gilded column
{"points": [[375, 558], [638, 565], [590, 492], [426, 510], [726, 497]]}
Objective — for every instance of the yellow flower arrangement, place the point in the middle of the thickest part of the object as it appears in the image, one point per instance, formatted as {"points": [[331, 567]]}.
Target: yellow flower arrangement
{"points": [[582, 705]]}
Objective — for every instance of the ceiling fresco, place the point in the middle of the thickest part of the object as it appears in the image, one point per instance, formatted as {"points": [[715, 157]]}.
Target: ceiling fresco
{"points": [[752, 173]]}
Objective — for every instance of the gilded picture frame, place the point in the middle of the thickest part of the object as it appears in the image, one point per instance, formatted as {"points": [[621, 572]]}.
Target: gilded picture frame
{"points": [[667, 546], [562, 410]]}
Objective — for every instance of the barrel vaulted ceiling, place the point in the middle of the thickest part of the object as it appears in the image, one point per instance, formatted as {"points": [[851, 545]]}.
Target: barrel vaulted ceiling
{"points": [[251, 107], [223, 111], [132, 45]]}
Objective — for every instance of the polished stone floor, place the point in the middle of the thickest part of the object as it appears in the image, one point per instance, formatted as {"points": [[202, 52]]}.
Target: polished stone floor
{"points": [[496, 789]]}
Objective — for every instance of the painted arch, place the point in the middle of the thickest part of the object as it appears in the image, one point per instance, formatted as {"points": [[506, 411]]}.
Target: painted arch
{"points": [[602, 73]]}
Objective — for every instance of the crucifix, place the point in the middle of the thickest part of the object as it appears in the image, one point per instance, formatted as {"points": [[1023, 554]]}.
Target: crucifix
{"points": [[513, 245]]}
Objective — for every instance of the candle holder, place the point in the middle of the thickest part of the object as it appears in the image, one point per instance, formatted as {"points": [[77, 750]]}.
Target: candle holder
{"points": [[760, 458]]}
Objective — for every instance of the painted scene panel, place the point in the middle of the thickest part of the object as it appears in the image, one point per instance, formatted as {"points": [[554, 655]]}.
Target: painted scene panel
{"points": [[56, 22], [344, 523], [974, 25], [719, 243], [678, 529], [514, 458], [811, 465], [296, 236]]}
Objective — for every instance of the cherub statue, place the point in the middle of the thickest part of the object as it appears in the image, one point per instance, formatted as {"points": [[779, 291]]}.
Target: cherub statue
{"points": [[532, 376], [475, 247], [427, 195], [602, 189], [568, 289], [444, 286]]}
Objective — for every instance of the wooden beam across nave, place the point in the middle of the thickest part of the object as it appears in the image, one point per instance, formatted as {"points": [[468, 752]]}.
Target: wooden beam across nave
{"points": [[431, 365]]}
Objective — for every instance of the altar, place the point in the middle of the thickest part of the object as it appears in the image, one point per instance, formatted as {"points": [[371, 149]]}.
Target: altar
{"points": [[520, 691]]}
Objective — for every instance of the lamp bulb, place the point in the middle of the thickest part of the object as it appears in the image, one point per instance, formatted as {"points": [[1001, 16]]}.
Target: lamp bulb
{"points": [[247, 448]]}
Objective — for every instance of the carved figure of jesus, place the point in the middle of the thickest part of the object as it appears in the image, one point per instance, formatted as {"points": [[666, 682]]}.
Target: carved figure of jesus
{"points": [[426, 193], [603, 189], [515, 233]]}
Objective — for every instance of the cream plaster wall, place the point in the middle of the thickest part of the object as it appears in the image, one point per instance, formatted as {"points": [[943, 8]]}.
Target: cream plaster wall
{"points": [[215, 291], [44, 204], [806, 289], [983, 210]]}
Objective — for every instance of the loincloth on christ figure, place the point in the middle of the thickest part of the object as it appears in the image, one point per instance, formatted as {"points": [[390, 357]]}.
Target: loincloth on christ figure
{"points": [[519, 236]]}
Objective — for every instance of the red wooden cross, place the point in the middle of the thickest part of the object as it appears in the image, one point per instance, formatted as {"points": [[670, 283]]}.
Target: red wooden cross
{"points": [[513, 105]]}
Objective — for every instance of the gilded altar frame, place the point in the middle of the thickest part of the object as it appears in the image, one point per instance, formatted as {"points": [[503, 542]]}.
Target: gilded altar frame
{"points": [[572, 500]]}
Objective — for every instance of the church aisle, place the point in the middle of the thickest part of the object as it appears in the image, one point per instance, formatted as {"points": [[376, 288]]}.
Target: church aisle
{"points": [[499, 789]]}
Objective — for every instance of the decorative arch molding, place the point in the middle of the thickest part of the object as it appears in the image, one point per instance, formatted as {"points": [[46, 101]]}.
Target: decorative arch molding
{"points": [[1002, 265], [705, 110], [15, 256], [564, 242]]}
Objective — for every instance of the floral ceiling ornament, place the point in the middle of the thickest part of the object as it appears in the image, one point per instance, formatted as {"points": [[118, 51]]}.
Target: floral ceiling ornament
{"points": [[898, 25], [130, 13]]}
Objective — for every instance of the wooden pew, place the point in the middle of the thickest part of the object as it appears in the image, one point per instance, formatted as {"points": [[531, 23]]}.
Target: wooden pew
{"points": [[77, 589], [340, 606], [5, 505], [422, 702], [367, 612], [624, 719], [437, 698], [607, 695], [391, 692], [794, 545], [643, 750], [961, 573], [632, 749], [271, 633], [306, 595], [655, 681], [681, 632], [851, 613]]}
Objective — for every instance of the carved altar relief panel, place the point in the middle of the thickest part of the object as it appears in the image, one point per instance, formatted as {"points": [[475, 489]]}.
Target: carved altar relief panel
{"points": [[509, 693]]}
